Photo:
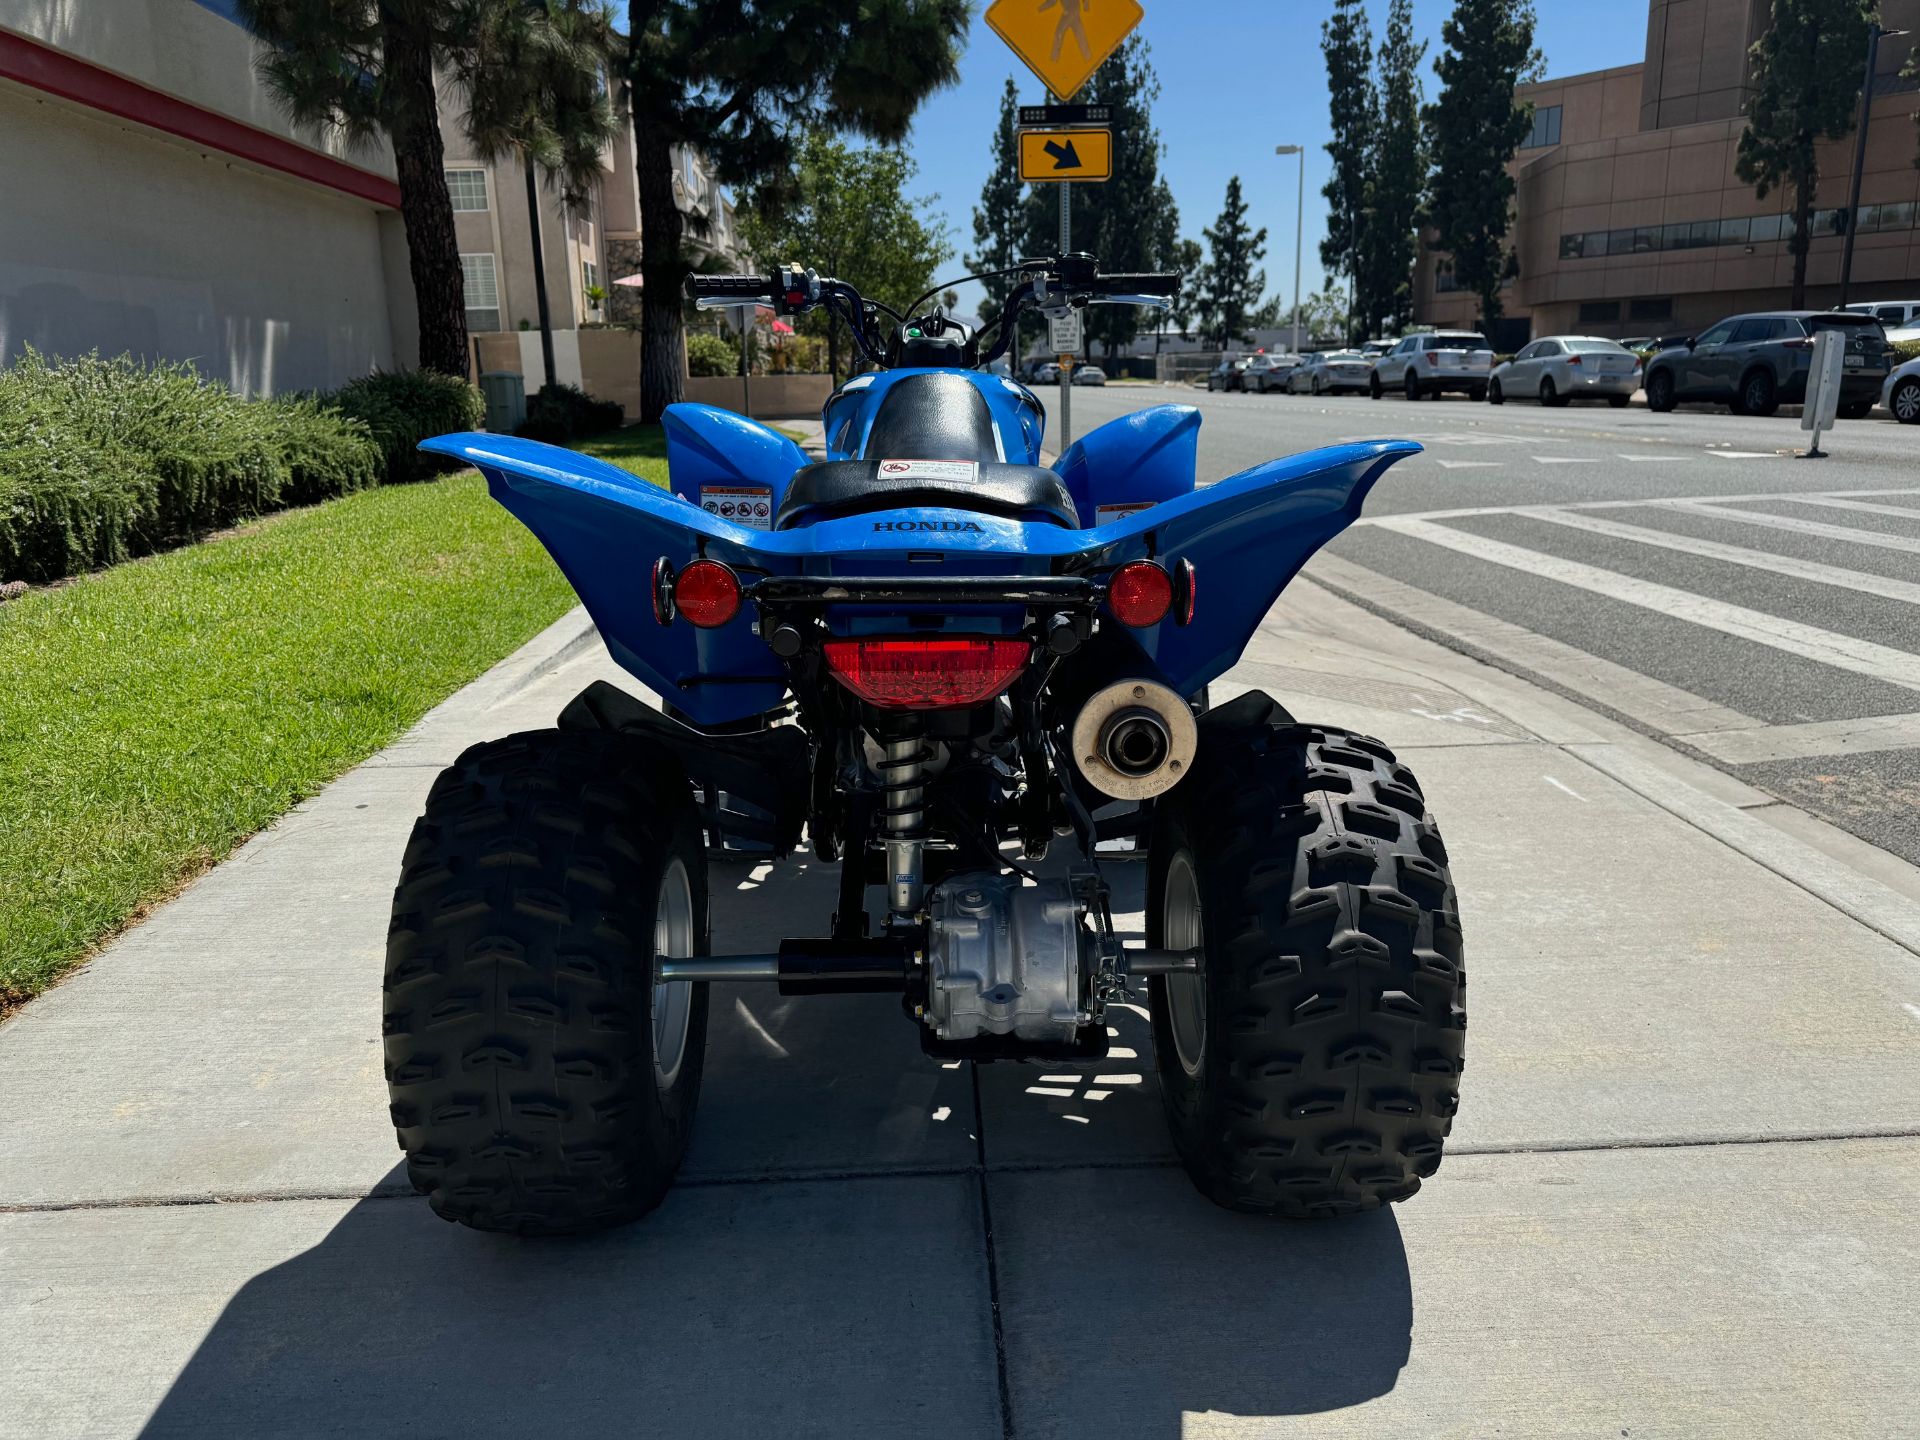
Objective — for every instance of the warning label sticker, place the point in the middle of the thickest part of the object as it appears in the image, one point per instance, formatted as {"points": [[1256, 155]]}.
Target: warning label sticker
{"points": [[966, 470], [1103, 513], [748, 505]]}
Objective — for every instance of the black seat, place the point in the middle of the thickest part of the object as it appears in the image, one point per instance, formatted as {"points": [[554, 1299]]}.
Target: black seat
{"points": [[856, 487], [932, 417]]}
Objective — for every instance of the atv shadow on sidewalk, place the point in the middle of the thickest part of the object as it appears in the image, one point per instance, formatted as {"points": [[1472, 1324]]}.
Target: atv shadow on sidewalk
{"points": [[823, 1268]]}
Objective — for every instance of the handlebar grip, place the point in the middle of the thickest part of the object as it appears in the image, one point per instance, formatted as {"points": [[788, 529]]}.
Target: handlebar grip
{"points": [[1162, 284], [740, 289]]}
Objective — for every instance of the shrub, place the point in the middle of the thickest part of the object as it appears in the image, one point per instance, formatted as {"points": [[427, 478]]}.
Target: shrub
{"points": [[709, 354], [1905, 350], [559, 413], [403, 407], [327, 453], [66, 503]]}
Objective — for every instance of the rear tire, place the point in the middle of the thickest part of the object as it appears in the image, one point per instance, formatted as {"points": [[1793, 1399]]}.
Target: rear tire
{"points": [[541, 1083], [1374, 388], [1660, 392], [1495, 395], [1312, 1068], [1412, 385], [1550, 393], [1756, 395]]}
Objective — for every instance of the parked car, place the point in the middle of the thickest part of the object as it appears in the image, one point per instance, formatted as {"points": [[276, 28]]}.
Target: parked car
{"points": [[1226, 375], [1047, 373], [1637, 343], [1892, 314], [1374, 349], [1422, 365], [1907, 335], [1754, 364], [1560, 368], [1329, 372], [1089, 375], [1267, 372], [1900, 396]]}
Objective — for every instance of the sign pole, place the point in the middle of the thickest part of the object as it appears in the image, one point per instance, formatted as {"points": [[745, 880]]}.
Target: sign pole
{"points": [[1066, 370]]}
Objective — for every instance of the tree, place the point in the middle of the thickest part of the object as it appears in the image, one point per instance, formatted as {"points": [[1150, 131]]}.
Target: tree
{"points": [[1346, 40], [1474, 128], [847, 212], [999, 230], [1123, 222], [1806, 72], [1325, 313], [1189, 261], [1231, 285], [1396, 182], [546, 104], [745, 81]]}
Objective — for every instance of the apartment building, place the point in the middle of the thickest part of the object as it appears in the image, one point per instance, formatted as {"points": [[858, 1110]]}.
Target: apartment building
{"points": [[154, 199], [1631, 221]]}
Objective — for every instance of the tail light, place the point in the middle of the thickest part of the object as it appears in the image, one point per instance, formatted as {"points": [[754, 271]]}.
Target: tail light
{"points": [[1140, 594], [1573, 359], [707, 593], [1802, 343], [930, 674]]}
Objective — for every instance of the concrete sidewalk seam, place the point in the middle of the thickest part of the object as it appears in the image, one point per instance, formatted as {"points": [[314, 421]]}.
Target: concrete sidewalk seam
{"points": [[993, 1261]]}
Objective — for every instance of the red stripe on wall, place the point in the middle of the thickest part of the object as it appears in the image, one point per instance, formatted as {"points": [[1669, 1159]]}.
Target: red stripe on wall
{"points": [[41, 68]]}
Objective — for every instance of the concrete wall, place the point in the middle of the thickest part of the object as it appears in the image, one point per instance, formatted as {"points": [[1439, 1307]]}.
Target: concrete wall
{"points": [[115, 239], [1697, 59], [118, 236]]}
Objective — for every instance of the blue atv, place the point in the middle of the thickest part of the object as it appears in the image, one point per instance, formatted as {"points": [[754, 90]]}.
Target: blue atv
{"points": [[934, 660]]}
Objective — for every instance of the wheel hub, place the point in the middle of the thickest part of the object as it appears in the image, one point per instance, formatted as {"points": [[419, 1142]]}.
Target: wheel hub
{"points": [[1186, 994], [672, 999]]}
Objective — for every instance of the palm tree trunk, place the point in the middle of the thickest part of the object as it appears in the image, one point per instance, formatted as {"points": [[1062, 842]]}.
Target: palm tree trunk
{"points": [[426, 210], [663, 271]]}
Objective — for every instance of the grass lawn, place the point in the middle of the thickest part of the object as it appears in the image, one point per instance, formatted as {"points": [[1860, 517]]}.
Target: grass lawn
{"points": [[154, 715]]}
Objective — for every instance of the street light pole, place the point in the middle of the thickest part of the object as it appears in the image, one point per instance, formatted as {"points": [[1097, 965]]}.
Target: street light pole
{"points": [[1874, 32], [1299, 230]]}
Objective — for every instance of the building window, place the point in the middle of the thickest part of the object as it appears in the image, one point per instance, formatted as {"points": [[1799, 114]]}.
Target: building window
{"points": [[468, 189], [1755, 230], [589, 282], [1599, 312], [1766, 227], [1655, 309], [482, 284], [1546, 128]]}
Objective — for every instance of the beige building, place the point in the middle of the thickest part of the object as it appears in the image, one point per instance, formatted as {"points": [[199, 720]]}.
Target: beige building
{"points": [[154, 199], [1630, 220]]}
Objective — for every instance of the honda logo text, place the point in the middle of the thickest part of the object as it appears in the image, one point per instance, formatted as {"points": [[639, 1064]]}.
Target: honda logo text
{"points": [[921, 527]]}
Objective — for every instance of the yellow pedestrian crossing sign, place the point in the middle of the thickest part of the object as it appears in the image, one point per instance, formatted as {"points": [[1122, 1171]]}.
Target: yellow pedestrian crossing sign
{"points": [[1066, 154], [1063, 41]]}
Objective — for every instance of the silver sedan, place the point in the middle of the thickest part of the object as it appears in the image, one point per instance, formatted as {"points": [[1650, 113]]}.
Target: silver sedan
{"points": [[1568, 367], [1330, 372]]}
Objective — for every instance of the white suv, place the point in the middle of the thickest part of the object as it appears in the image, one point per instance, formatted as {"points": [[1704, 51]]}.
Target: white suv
{"points": [[1422, 365], [1892, 314]]}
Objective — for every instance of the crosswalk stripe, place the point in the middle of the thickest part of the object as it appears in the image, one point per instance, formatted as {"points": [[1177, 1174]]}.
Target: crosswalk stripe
{"points": [[1565, 460], [1787, 565], [1798, 526], [1652, 459], [1463, 511], [1744, 454], [1906, 512], [1468, 464], [1827, 647], [1817, 737], [1664, 708]]}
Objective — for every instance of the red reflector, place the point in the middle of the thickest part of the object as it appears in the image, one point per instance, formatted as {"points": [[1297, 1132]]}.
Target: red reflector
{"points": [[707, 593], [926, 674], [1140, 594]]}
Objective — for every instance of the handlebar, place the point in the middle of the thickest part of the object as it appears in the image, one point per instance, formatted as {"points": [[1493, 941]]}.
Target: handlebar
{"points": [[732, 289]]}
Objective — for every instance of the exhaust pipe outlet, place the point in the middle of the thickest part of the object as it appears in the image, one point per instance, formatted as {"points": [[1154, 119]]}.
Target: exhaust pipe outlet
{"points": [[1134, 740]]}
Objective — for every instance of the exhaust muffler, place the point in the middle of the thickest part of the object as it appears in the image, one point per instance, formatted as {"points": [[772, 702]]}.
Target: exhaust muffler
{"points": [[1134, 740]]}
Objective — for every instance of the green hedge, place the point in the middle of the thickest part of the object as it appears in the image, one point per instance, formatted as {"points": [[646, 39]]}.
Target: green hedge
{"points": [[561, 414], [1905, 350], [105, 459]]}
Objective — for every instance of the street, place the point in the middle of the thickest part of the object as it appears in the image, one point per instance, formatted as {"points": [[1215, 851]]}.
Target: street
{"points": [[1684, 572]]}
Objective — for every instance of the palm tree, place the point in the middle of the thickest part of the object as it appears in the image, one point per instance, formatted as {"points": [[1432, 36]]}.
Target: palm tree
{"points": [[546, 103], [368, 68]]}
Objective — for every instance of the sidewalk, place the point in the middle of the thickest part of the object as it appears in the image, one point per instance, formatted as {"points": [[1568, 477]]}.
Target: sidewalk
{"points": [[1678, 1200]]}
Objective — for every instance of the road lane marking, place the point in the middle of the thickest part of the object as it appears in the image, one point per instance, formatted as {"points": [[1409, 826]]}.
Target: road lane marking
{"points": [[1744, 454], [1817, 737], [1659, 706], [1464, 511], [1566, 460], [1651, 459], [1875, 538], [1810, 642], [1469, 464], [1905, 512], [1785, 565]]}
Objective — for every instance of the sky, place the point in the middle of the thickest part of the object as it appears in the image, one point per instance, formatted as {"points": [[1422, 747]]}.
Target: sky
{"points": [[1237, 78]]}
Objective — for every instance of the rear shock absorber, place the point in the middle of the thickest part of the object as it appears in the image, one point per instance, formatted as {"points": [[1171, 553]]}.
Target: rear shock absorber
{"points": [[903, 816]]}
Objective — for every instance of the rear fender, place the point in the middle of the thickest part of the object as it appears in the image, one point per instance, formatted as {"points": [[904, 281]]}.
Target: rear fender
{"points": [[1246, 537], [718, 458], [1132, 462]]}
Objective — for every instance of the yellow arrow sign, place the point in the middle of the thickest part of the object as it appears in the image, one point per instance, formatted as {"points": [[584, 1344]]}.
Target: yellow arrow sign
{"points": [[1063, 41], [1066, 154]]}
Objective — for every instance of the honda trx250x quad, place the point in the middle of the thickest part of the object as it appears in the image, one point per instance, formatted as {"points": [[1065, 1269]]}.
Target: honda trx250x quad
{"points": [[936, 659]]}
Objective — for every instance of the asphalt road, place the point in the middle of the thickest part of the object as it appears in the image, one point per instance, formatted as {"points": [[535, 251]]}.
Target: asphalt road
{"points": [[1689, 573]]}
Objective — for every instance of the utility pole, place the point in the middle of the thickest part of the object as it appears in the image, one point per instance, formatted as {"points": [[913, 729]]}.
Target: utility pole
{"points": [[1874, 32], [539, 270], [1299, 230]]}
